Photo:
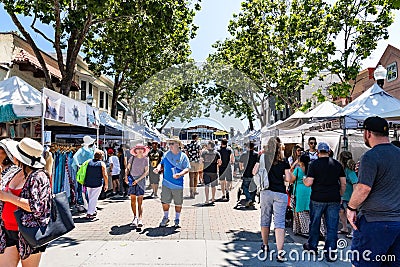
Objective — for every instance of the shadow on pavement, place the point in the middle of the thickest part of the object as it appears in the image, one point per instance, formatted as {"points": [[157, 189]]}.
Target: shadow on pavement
{"points": [[160, 231], [121, 230], [63, 242], [84, 220]]}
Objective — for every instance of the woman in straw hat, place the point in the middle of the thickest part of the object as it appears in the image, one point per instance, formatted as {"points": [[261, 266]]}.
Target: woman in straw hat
{"points": [[138, 169], [29, 191]]}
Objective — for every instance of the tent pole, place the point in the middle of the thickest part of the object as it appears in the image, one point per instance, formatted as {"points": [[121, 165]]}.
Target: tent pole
{"points": [[43, 111], [97, 136]]}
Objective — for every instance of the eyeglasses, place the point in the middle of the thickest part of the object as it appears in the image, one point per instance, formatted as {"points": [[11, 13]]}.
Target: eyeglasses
{"points": [[171, 144], [313, 143]]}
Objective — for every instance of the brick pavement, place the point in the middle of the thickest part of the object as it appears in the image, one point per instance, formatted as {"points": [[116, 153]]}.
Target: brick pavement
{"points": [[219, 236], [218, 222]]}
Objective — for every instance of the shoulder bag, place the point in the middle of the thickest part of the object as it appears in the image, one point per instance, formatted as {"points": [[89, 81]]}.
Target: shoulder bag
{"points": [[60, 223], [261, 177]]}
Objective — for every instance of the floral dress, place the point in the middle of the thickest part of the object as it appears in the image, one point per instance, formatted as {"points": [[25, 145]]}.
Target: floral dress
{"points": [[38, 192]]}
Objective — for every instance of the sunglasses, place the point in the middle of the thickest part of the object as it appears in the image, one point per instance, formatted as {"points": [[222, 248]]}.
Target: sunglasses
{"points": [[312, 143], [299, 150], [171, 144]]}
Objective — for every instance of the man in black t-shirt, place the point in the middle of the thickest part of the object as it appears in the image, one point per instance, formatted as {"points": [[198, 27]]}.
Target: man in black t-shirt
{"points": [[328, 182], [155, 155], [211, 160], [225, 170], [246, 164]]}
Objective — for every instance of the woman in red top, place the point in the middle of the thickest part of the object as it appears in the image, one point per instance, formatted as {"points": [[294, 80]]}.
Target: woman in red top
{"points": [[27, 189]]}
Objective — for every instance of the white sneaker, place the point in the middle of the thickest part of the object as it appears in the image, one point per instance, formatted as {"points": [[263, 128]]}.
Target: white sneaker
{"points": [[140, 223], [134, 222]]}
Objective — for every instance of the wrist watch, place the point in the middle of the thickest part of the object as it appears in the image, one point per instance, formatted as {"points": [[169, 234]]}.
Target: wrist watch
{"points": [[350, 208]]}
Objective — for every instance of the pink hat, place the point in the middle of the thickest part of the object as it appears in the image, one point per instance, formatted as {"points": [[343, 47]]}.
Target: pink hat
{"points": [[139, 146]]}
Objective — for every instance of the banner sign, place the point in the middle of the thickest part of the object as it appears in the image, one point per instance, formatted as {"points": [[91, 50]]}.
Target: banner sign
{"points": [[61, 108]]}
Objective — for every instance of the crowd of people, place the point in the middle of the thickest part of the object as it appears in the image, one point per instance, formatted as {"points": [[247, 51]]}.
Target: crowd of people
{"points": [[320, 190]]}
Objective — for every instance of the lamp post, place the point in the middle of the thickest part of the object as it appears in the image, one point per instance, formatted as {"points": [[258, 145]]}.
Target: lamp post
{"points": [[380, 75]]}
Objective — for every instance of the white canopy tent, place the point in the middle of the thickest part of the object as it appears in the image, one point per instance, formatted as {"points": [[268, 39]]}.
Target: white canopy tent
{"points": [[373, 102], [324, 110], [18, 99]]}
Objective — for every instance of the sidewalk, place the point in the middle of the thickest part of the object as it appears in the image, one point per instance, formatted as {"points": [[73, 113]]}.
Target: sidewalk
{"points": [[209, 236], [71, 253]]}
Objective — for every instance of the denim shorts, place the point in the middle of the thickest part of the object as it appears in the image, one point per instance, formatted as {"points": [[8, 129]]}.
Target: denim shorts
{"points": [[376, 240], [136, 190], [273, 203]]}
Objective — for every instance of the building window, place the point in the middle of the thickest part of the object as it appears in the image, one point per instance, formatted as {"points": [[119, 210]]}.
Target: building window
{"points": [[90, 92], [101, 102], [106, 101], [83, 90], [392, 72]]}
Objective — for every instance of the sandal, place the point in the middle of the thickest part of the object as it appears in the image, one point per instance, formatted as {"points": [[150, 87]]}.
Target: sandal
{"points": [[89, 217], [343, 232]]}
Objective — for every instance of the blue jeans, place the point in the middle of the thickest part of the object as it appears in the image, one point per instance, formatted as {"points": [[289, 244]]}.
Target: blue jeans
{"points": [[250, 196], [78, 186], [380, 238], [330, 210]]}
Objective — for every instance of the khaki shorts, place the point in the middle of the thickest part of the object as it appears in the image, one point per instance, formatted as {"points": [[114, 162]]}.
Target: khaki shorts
{"points": [[168, 194], [194, 166]]}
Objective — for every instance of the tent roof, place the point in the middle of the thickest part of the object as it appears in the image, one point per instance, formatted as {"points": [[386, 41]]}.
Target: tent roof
{"points": [[293, 121], [14, 90], [325, 110], [372, 102]]}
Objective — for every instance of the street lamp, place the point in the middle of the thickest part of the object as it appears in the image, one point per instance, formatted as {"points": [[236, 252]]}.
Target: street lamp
{"points": [[380, 75], [89, 100]]}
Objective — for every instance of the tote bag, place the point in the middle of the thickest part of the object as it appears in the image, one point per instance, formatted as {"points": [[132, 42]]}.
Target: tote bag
{"points": [[261, 177], [60, 223]]}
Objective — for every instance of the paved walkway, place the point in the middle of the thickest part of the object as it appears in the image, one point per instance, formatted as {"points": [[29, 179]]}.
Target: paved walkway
{"points": [[209, 236]]}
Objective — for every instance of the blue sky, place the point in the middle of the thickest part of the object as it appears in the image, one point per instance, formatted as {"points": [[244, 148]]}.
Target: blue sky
{"points": [[213, 21]]}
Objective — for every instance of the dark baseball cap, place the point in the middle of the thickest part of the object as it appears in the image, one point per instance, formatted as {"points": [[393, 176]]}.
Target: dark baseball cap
{"points": [[376, 124]]}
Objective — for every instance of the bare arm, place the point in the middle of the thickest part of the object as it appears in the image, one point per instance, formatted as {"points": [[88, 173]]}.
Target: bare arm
{"points": [[16, 200], [359, 195], [232, 158], [308, 181], [342, 185], [105, 176], [255, 168], [287, 175]]}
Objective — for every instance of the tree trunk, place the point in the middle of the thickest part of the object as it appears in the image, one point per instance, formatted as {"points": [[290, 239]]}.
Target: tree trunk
{"points": [[251, 125], [114, 108]]}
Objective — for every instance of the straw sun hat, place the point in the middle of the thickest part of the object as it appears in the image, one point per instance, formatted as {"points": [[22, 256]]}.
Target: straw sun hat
{"points": [[27, 151]]}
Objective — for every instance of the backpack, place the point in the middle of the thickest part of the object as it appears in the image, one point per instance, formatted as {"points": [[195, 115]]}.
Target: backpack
{"points": [[261, 177], [81, 174]]}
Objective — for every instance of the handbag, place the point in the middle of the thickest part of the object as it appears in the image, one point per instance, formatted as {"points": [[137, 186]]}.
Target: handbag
{"points": [[81, 174], [60, 223], [261, 177]]}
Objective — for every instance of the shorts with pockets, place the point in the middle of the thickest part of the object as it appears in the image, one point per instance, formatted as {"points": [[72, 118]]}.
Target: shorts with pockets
{"points": [[168, 194]]}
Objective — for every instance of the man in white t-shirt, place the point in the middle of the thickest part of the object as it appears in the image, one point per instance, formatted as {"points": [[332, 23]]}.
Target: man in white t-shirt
{"points": [[115, 169]]}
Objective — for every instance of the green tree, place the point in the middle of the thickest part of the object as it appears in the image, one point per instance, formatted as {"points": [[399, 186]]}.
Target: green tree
{"points": [[282, 43], [71, 22], [357, 26], [133, 49]]}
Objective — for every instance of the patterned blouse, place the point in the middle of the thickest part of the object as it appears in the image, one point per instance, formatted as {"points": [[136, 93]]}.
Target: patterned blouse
{"points": [[38, 192], [193, 151]]}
